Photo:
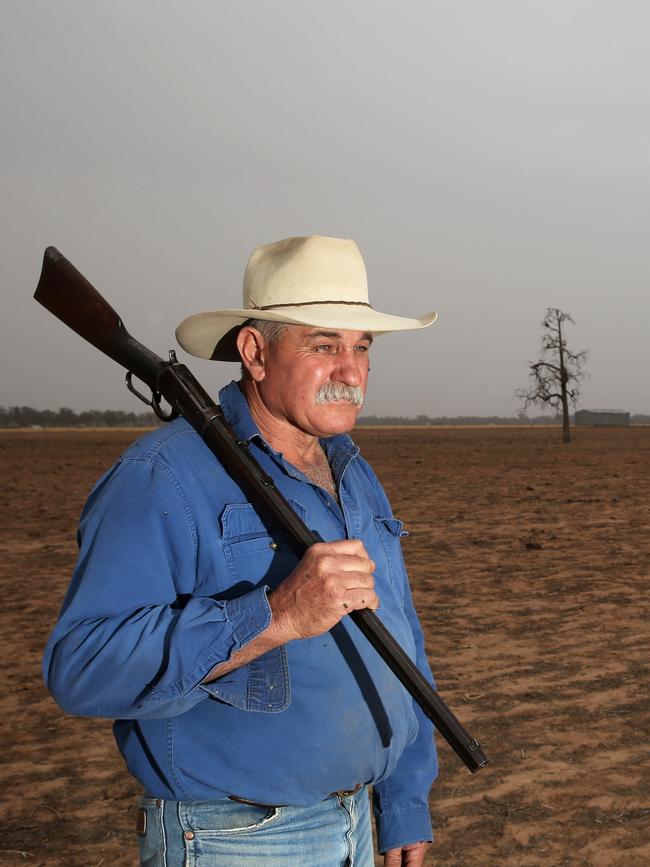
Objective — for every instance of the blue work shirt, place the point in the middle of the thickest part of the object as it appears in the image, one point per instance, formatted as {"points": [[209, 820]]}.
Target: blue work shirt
{"points": [[172, 577]]}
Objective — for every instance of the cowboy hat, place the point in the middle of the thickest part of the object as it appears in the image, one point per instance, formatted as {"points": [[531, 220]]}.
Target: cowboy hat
{"points": [[302, 281]]}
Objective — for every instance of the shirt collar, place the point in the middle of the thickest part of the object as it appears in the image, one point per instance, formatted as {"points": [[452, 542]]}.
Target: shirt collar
{"points": [[237, 414], [340, 449]]}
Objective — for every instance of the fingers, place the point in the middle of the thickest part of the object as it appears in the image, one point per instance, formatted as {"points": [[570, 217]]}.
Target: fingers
{"points": [[337, 582], [350, 571], [345, 551], [407, 856], [347, 555], [358, 598], [346, 573], [344, 546], [331, 580]]}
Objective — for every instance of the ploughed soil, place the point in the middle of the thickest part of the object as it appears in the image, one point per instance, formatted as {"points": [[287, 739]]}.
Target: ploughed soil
{"points": [[530, 564]]}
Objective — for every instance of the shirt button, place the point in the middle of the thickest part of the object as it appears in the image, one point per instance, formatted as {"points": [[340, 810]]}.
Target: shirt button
{"points": [[189, 835], [274, 546]]}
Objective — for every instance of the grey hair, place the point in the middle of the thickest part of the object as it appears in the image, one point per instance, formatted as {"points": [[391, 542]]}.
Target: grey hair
{"points": [[270, 331]]}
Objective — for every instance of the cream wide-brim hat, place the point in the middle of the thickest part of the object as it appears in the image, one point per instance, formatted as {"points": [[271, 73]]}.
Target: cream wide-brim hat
{"points": [[314, 281]]}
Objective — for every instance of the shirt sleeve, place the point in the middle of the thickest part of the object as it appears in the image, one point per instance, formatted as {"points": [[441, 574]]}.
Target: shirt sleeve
{"points": [[401, 801], [132, 639]]}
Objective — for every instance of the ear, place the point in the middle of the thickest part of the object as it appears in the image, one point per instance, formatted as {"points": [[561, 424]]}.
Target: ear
{"points": [[250, 345]]}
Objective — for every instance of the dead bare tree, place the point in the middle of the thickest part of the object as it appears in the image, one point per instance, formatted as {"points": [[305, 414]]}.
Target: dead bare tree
{"points": [[557, 374]]}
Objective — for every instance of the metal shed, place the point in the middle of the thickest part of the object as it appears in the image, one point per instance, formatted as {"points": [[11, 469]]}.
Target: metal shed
{"points": [[602, 417]]}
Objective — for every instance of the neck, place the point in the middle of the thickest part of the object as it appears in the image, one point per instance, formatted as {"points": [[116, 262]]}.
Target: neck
{"points": [[297, 446]]}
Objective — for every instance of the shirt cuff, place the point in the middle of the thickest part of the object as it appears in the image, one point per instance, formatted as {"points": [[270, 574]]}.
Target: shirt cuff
{"points": [[249, 615], [400, 827], [263, 684]]}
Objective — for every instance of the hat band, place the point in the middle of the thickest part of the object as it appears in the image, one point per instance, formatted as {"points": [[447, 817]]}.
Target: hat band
{"points": [[253, 305]]}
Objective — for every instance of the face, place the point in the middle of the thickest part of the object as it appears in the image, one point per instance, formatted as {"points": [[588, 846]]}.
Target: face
{"points": [[303, 360]]}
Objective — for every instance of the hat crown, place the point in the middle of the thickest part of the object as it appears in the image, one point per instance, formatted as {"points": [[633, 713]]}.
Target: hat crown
{"points": [[305, 270]]}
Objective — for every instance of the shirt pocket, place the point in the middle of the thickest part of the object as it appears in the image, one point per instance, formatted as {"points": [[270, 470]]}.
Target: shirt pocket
{"points": [[390, 532], [256, 554]]}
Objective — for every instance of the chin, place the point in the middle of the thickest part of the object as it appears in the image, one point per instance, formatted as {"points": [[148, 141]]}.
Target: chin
{"points": [[338, 418]]}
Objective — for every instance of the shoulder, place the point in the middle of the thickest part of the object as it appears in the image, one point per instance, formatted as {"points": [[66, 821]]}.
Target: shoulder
{"points": [[175, 448], [366, 469], [360, 465], [159, 478], [170, 457], [163, 443], [365, 480]]}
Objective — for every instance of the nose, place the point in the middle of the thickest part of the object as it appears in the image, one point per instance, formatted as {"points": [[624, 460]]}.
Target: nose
{"points": [[350, 368]]}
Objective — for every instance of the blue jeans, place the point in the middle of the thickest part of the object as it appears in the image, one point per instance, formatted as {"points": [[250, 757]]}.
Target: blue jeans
{"points": [[225, 833]]}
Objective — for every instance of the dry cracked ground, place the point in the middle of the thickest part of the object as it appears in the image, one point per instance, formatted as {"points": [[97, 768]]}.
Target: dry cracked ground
{"points": [[530, 564]]}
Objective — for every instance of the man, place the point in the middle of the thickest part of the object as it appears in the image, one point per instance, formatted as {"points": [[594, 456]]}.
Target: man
{"points": [[251, 710]]}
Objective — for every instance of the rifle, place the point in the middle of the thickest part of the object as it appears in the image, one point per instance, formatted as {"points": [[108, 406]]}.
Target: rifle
{"points": [[67, 294]]}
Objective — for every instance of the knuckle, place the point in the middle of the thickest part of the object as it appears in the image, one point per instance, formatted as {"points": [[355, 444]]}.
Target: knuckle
{"points": [[311, 555], [331, 586], [327, 564]]}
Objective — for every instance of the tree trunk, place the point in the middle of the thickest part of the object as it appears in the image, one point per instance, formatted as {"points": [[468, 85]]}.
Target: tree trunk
{"points": [[566, 430], [564, 377]]}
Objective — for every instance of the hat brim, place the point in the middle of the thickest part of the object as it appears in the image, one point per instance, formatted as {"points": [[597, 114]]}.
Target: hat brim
{"points": [[212, 334]]}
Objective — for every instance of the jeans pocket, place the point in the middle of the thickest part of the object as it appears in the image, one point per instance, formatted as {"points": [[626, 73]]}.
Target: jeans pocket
{"points": [[224, 817]]}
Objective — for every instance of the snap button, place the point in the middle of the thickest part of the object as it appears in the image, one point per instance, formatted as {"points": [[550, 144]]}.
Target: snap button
{"points": [[274, 545], [189, 835]]}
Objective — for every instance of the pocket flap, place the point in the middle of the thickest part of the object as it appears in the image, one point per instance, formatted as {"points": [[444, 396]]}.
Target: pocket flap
{"points": [[240, 521], [393, 525]]}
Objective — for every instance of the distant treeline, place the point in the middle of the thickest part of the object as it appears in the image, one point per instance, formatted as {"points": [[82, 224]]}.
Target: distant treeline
{"points": [[26, 416], [476, 419]]}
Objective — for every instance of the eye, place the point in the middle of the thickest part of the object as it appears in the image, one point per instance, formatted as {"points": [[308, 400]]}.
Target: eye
{"points": [[323, 347], [362, 347]]}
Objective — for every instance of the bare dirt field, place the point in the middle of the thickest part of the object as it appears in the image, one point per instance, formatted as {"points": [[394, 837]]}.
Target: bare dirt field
{"points": [[530, 563]]}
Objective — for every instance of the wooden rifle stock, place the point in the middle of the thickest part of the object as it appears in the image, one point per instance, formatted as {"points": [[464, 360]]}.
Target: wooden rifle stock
{"points": [[68, 295]]}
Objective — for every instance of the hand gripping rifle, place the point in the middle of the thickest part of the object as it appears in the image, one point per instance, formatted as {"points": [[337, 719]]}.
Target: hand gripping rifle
{"points": [[68, 295]]}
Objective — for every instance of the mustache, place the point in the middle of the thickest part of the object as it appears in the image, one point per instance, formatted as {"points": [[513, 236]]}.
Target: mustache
{"points": [[330, 392]]}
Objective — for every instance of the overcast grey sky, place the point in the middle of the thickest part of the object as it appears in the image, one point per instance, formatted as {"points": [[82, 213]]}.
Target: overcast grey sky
{"points": [[491, 159]]}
